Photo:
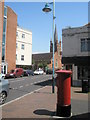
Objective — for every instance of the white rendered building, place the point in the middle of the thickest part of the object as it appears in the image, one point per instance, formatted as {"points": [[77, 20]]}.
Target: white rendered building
{"points": [[23, 47]]}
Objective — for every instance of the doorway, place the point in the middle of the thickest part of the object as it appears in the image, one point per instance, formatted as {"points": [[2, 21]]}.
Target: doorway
{"points": [[4, 69]]}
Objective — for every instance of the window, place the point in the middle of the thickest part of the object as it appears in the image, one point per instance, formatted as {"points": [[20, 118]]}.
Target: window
{"points": [[59, 51], [17, 34], [83, 71], [23, 35], [85, 45], [4, 24], [88, 44], [16, 71], [22, 57], [56, 63], [5, 11], [16, 56], [16, 45], [4, 39], [22, 46], [3, 53]]}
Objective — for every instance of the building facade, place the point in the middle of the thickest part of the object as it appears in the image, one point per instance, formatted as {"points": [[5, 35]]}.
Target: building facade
{"points": [[8, 56], [1, 30], [23, 47], [76, 52]]}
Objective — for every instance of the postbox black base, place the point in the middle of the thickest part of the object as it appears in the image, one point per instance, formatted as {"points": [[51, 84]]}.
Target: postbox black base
{"points": [[63, 111]]}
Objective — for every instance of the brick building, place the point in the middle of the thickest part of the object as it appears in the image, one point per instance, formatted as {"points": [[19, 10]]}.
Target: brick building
{"points": [[8, 39], [1, 29], [46, 58]]}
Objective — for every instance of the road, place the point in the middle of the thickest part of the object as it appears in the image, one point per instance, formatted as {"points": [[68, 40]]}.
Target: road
{"points": [[25, 85]]}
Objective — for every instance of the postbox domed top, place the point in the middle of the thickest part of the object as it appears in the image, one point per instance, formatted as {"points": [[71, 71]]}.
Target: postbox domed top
{"points": [[64, 71]]}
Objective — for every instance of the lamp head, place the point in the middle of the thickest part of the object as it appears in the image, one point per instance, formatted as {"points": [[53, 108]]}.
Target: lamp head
{"points": [[46, 8]]}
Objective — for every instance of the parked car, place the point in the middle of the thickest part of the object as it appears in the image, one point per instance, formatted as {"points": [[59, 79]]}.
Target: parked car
{"points": [[25, 73], [49, 71], [15, 73], [2, 75], [38, 72], [30, 72], [4, 90]]}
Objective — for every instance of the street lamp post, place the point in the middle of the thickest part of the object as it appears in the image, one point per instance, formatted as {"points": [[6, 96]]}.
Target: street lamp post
{"points": [[48, 9]]}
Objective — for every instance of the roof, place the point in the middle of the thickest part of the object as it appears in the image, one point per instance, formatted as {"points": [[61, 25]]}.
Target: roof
{"points": [[88, 24], [42, 57]]}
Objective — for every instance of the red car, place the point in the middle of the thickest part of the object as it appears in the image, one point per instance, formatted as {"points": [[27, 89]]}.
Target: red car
{"points": [[18, 72]]}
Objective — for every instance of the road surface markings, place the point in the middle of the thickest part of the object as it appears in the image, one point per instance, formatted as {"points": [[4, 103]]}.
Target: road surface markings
{"points": [[14, 88], [20, 86], [22, 97]]}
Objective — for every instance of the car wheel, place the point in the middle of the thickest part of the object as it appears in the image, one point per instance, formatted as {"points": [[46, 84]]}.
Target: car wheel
{"points": [[32, 74], [22, 75], [3, 97]]}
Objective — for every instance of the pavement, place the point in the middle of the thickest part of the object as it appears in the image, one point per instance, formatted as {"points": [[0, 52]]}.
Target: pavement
{"points": [[41, 104]]}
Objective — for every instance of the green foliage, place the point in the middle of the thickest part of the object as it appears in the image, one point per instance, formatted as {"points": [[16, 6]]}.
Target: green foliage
{"points": [[33, 62], [40, 65]]}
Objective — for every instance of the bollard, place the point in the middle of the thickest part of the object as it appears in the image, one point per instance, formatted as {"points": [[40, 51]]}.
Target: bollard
{"points": [[63, 93]]}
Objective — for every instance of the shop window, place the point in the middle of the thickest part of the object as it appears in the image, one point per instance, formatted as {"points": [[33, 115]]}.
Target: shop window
{"points": [[83, 72]]}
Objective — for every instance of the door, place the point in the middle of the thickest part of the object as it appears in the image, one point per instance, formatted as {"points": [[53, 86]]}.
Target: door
{"points": [[4, 69]]}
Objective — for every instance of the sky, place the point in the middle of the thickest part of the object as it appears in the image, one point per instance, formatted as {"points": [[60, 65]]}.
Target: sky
{"points": [[31, 17]]}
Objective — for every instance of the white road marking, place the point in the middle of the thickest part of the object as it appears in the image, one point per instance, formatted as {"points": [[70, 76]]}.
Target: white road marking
{"points": [[20, 86], [14, 88], [21, 97]]}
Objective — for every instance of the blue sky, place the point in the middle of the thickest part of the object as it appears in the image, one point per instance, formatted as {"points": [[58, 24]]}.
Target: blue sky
{"points": [[31, 17]]}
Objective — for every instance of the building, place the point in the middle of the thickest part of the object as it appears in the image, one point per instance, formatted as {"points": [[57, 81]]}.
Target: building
{"points": [[46, 58], [8, 38], [1, 30], [76, 52], [23, 47], [15, 42]]}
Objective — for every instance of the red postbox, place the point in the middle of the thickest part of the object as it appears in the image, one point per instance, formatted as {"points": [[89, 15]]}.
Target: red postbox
{"points": [[63, 93]]}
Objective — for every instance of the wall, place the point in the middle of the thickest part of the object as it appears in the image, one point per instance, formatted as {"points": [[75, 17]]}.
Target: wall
{"points": [[1, 29], [10, 55]]}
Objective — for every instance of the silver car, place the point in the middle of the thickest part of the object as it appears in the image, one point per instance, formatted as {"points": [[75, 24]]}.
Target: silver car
{"points": [[4, 90]]}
